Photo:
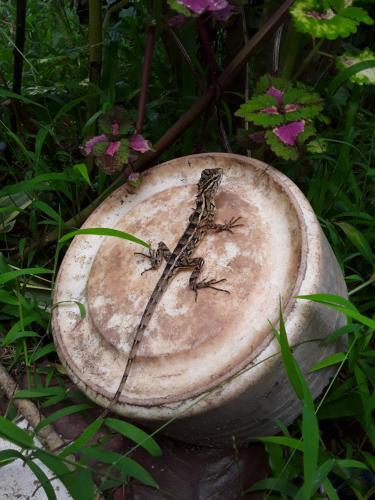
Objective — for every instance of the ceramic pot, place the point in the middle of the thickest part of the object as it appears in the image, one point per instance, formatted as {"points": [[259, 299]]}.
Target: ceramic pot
{"points": [[211, 367]]}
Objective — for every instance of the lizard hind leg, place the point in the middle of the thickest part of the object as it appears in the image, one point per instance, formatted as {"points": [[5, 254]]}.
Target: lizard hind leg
{"points": [[156, 256], [196, 285]]}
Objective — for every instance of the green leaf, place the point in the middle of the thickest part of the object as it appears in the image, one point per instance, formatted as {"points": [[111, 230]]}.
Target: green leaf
{"points": [[310, 434], [43, 479], [49, 211], [8, 456], [310, 427], [288, 360], [18, 335], [281, 150], [14, 434], [43, 181], [83, 439], [78, 483], [346, 74], [41, 392], [81, 307], [82, 170], [339, 304], [334, 359], [351, 464], [69, 410], [126, 465], [102, 231], [370, 459], [8, 298], [18, 97], [18, 326], [278, 484], [358, 240], [43, 351], [329, 489], [137, 435], [252, 111], [295, 444], [11, 275]]}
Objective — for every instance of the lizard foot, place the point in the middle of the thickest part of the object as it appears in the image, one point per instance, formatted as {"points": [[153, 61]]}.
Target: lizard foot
{"points": [[209, 284], [230, 224], [153, 256]]}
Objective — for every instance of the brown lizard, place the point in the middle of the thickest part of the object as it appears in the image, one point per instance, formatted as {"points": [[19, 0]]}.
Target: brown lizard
{"points": [[200, 222]]}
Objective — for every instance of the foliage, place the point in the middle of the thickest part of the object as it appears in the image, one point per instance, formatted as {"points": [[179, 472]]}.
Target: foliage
{"points": [[314, 121], [363, 77], [286, 113], [329, 18]]}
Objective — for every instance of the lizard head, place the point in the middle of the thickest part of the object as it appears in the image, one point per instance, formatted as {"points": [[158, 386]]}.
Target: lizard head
{"points": [[210, 180]]}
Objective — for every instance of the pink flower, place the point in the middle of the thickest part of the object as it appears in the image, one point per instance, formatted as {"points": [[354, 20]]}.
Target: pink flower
{"points": [[199, 6], [89, 146], [139, 143], [277, 94], [289, 133], [113, 147]]}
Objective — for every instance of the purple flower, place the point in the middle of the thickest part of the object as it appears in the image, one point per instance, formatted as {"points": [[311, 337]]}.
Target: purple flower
{"points": [[277, 94], [113, 147], [289, 133], [89, 146], [139, 143], [199, 6]]}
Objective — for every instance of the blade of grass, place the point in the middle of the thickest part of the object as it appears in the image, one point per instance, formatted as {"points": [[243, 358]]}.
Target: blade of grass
{"points": [[101, 231], [135, 434]]}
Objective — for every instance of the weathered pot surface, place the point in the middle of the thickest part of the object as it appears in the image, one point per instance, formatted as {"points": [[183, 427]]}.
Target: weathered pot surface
{"points": [[214, 363]]}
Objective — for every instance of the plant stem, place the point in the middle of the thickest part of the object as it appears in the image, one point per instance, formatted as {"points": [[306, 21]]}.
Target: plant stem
{"points": [[146, 71]]}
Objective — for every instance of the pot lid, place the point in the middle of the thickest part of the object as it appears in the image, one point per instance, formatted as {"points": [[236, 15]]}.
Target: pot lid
{"points": [[189, 346]]}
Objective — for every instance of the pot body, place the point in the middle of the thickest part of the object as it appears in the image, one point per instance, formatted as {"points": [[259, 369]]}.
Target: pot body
{"points": [[212, 369]]}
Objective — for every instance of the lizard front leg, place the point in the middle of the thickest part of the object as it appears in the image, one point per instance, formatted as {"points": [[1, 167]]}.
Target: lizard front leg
{"points": [[227, 226], [156, 256], [197, 265]]}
